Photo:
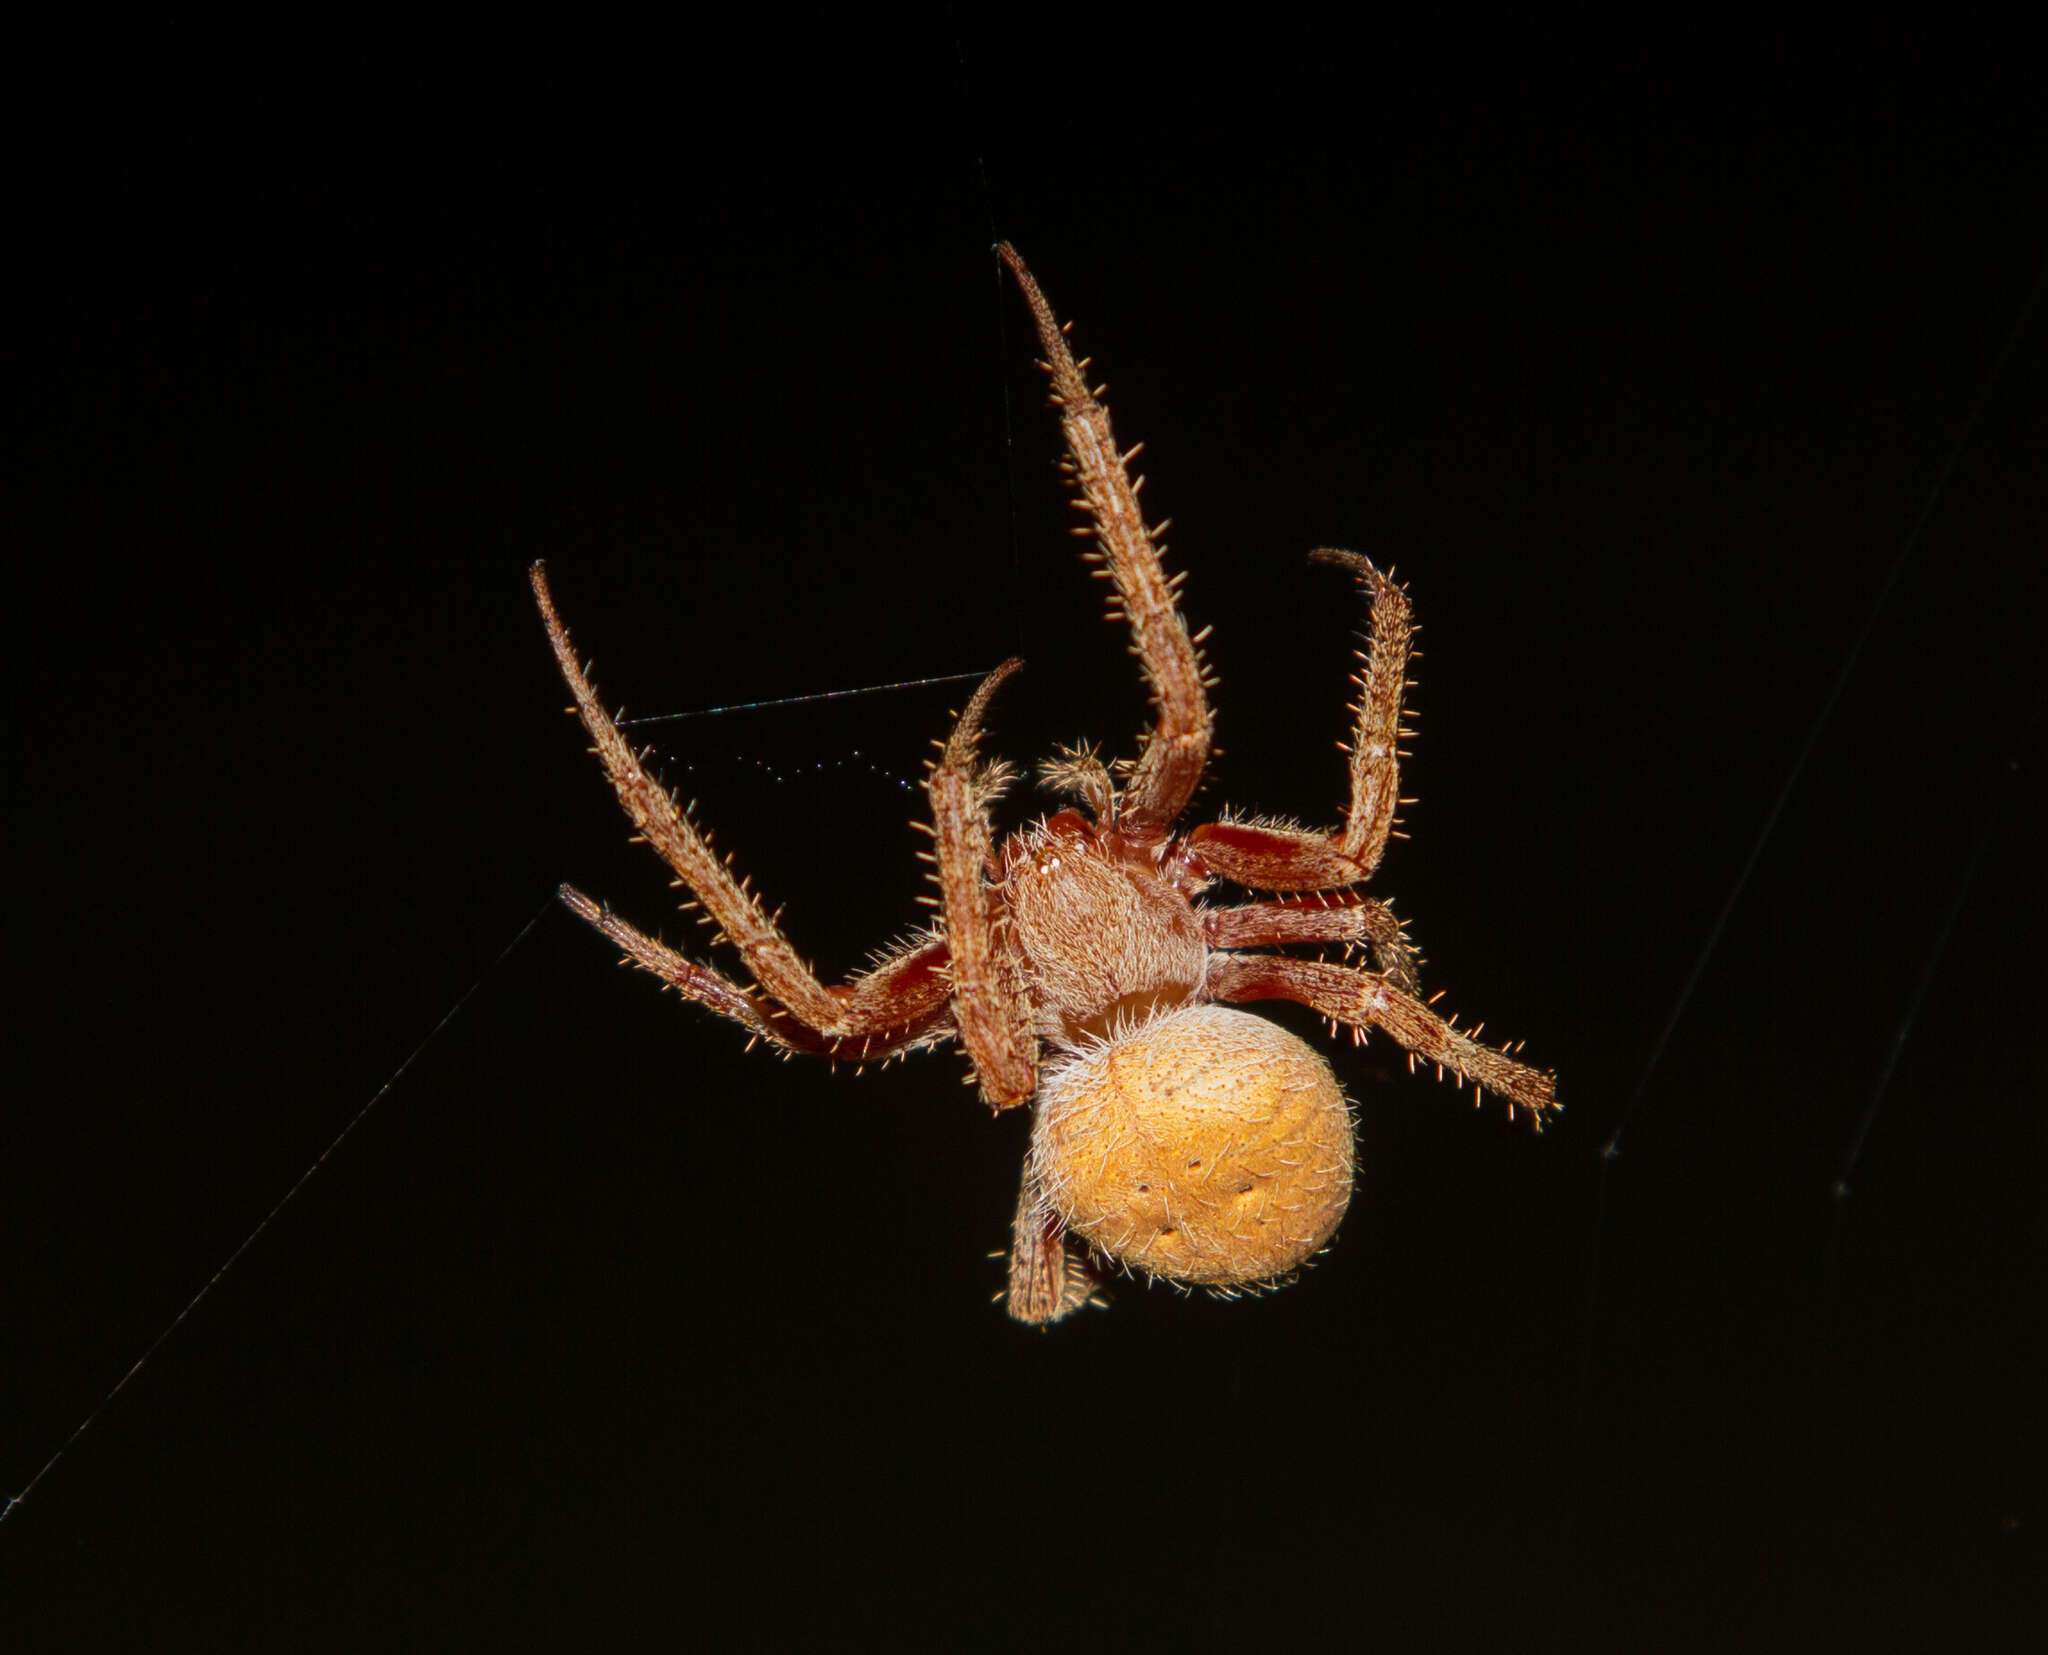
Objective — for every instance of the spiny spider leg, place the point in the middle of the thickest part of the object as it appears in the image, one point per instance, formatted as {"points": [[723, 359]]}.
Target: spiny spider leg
{"points": [[737, 911], [1364, 999], [1375, 741], [1048, 1279], [696, 982], [856, 1020], [1276, 857], [1170, 767], [1330, 916], [902, 1001], [989, 1001]]}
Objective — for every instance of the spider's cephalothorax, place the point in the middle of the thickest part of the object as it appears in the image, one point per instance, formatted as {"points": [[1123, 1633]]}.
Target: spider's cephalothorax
{"points": [[1079, 966]]}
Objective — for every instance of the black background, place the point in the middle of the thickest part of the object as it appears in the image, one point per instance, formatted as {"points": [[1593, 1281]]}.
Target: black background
{"points": [[1641, 360]]}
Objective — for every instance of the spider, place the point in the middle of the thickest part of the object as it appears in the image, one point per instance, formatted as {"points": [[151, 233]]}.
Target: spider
{"points": [[1078, 961]]}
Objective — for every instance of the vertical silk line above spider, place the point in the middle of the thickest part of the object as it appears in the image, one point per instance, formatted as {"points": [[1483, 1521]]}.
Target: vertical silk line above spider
{"points": [[1081, 964]]}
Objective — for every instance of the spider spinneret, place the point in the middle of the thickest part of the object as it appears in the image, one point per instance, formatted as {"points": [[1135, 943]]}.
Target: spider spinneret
{"points": [[1078, 964]]}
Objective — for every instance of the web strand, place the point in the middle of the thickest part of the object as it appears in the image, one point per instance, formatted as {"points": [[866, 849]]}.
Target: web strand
{"points": [[1903, 1035], [1825, 713], [250, 1240], [804, 700], [1610, 1150]]}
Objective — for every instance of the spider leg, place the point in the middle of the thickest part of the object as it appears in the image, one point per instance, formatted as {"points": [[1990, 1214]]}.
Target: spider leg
{"points": [[696, 982], [1335, 916], [1276, 856], [1170, 767], [837, 1015], [989, 1004], [1377, 733], [900, 1005], [1367, 998], [1048, 1280]]}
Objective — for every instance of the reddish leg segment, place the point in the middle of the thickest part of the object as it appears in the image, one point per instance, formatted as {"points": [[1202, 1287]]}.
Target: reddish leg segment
{"points": [[1048, 1279], [989, 1002], [1170, 768], [774, 964], [1279, 857], [1367, 999], [1331, 916], [898, 1006]]}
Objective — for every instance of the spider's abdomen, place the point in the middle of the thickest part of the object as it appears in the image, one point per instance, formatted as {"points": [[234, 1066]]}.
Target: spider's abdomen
{"points": [[1205, 1146], [1107, 937]]}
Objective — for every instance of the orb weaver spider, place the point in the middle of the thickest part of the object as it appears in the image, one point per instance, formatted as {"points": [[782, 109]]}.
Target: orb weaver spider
{"points": [[1078, 961]]}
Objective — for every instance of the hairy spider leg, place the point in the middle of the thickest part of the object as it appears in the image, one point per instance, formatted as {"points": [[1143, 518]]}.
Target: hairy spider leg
{"points": [[916, 981], [1278, 856], [899, 1004], [1366, 999], [990, 1005], [1327, 916], [1048, 1279], [1177, 750]]}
